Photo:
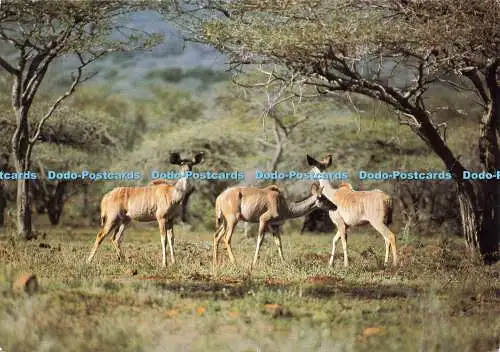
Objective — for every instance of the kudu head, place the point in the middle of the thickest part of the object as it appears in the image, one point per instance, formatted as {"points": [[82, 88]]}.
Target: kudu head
{"points": [[320, 165], [186, 164], [322, 202]]}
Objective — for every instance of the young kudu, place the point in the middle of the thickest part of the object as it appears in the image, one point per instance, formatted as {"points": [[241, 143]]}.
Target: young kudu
{"points": [[158, 201], [356, 208], [266, 206]]}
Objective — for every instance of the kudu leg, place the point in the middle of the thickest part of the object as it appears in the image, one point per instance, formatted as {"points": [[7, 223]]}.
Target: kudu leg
{"points": [[260, 239], [334, 241], [171, 239], [341, 234], [387, 245], [117, 240], [217, 237], [390, 241], [343, 239], [276, 231], [163, 234], [108, 227], [231, 224]]}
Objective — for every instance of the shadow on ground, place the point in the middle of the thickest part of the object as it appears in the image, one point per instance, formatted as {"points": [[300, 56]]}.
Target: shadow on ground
{"points": [[317, 287]]}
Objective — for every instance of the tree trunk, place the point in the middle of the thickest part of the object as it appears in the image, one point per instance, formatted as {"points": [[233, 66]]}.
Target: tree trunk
{"points": [[478, 200], [481, 211], [23, 214], [85, 213], [4, 163], [480, 220], [55, 205], [3, 205], [22, 153]]}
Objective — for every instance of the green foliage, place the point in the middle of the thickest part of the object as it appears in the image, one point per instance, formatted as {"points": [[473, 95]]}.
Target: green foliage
{"points": [[42, 33], [169, 75], [89, 124], [169, 106], [85, 26], [292, 30], [115, 116], [206, 76]]}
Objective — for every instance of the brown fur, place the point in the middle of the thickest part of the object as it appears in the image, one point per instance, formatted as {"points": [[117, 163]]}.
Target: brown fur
{"points": [[159, 201], [162, 182], [266, 206], [273, 188], [362, 205], [357, 208], [347, 185]]}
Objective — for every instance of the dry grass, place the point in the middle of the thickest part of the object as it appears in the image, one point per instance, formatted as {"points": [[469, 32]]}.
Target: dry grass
{"points": [[434, 301]]}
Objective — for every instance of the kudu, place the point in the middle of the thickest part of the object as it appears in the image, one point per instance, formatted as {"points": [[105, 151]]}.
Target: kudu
{"points": [[266, 206], [356, 208], [158, 201]]}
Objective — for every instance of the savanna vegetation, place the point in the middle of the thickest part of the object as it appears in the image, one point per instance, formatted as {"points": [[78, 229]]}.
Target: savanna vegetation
{"points": [[130, 117]]}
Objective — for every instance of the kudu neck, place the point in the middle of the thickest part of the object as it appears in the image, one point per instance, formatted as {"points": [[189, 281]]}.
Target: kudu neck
{"points": [[182, 187], [328, 189], [298, 209]]}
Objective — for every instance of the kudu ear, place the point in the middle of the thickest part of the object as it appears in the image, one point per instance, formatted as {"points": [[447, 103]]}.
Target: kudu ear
{"points": [[311, 161], [327, 161], [175, 158], [315, 189], [198, 158]]}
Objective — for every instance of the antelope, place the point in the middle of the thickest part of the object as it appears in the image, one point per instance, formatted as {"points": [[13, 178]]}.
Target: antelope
{"points": [[356, 208], [158, 201], [266, 206], [184, 201]]}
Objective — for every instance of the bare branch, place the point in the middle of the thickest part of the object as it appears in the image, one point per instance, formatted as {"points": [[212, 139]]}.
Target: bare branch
{"points": [[408, 119], [76, 81], [8, 67], [41, 62], [474, 76], [296, 123], [248, 85], [11, 40], [442, 126], [278, 151]]}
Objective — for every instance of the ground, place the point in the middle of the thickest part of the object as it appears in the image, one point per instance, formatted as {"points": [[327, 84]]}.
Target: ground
{"points": [[435, 300]]}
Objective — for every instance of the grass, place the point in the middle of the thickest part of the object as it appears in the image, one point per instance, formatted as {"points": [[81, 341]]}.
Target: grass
{"points": [[435, 300]]}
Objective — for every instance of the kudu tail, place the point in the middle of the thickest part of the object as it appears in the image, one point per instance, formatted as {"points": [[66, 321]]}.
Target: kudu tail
{"points": [[218, 216], [388, 211]]}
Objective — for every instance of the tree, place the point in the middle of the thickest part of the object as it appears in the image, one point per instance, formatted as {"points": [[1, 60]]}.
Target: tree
{"points": [[70, 140], [389, 50], [40, 32], [4, 161]]}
